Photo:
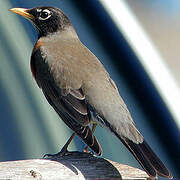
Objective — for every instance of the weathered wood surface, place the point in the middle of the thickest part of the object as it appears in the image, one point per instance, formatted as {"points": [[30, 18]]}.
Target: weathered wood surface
{"points": [[75, 166]]}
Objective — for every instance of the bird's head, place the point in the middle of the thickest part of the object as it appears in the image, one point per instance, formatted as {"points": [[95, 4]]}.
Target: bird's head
{"points": [[47, 20]]}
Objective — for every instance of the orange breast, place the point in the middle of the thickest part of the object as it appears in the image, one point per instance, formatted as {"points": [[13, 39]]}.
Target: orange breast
{"points": [[34, 56]]}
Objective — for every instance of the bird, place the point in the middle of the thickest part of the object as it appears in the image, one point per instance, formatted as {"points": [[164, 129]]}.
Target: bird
{"points": [[81, 91]]}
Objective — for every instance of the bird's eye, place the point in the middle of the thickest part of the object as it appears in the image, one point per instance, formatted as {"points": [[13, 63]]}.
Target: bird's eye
{"points": [[45, 14]]}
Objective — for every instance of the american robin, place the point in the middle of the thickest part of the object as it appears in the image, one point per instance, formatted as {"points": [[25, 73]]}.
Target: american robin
{"points": [[80, 90]]}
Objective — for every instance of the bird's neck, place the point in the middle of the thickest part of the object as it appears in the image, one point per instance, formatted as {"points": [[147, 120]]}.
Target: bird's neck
{"points": [[67, 33]]}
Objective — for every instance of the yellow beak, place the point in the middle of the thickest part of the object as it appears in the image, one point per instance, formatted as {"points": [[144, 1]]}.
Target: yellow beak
{"points": [[23, 12]]}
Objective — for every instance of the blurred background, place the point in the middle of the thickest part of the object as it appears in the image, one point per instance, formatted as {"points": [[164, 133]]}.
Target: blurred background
{"points": [[138, 43]]}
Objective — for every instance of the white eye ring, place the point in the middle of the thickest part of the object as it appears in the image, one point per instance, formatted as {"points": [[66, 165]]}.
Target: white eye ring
{"points": [[47, 14]]}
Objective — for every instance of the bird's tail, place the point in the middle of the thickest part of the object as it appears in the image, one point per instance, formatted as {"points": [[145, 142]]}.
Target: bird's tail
{"points": [[147, 158]]}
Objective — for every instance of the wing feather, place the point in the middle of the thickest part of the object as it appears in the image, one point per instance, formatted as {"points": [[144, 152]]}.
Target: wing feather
{"points": [[73, 111]]}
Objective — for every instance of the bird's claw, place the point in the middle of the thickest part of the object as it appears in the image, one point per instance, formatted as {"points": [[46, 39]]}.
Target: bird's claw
{"points": [[63, 152]]}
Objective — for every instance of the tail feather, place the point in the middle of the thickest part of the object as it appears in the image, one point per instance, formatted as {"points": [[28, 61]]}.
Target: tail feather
{"points": [[147, 159], [155, 161], [145, 156], [140, 157]]}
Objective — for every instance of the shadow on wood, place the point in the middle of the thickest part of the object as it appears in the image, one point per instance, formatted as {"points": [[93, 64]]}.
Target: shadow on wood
{"points": [[74, 165], [89, 166]]}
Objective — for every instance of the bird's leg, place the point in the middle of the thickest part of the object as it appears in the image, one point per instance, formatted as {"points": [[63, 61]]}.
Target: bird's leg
{"points": [[93, 129], [63, 150]]}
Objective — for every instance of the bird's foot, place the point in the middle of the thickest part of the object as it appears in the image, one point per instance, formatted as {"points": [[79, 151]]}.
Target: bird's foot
{"points": [[63, 152]]}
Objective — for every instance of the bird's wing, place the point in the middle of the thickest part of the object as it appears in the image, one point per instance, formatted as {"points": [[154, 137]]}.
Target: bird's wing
{"points": [[72, 108], [72, 100]]}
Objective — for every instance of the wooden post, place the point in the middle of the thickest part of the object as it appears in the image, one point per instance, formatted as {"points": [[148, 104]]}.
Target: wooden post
{"points": [[74, 165]]}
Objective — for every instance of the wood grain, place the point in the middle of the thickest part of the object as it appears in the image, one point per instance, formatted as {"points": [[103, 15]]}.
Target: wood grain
{"points": [[74, 165]]}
